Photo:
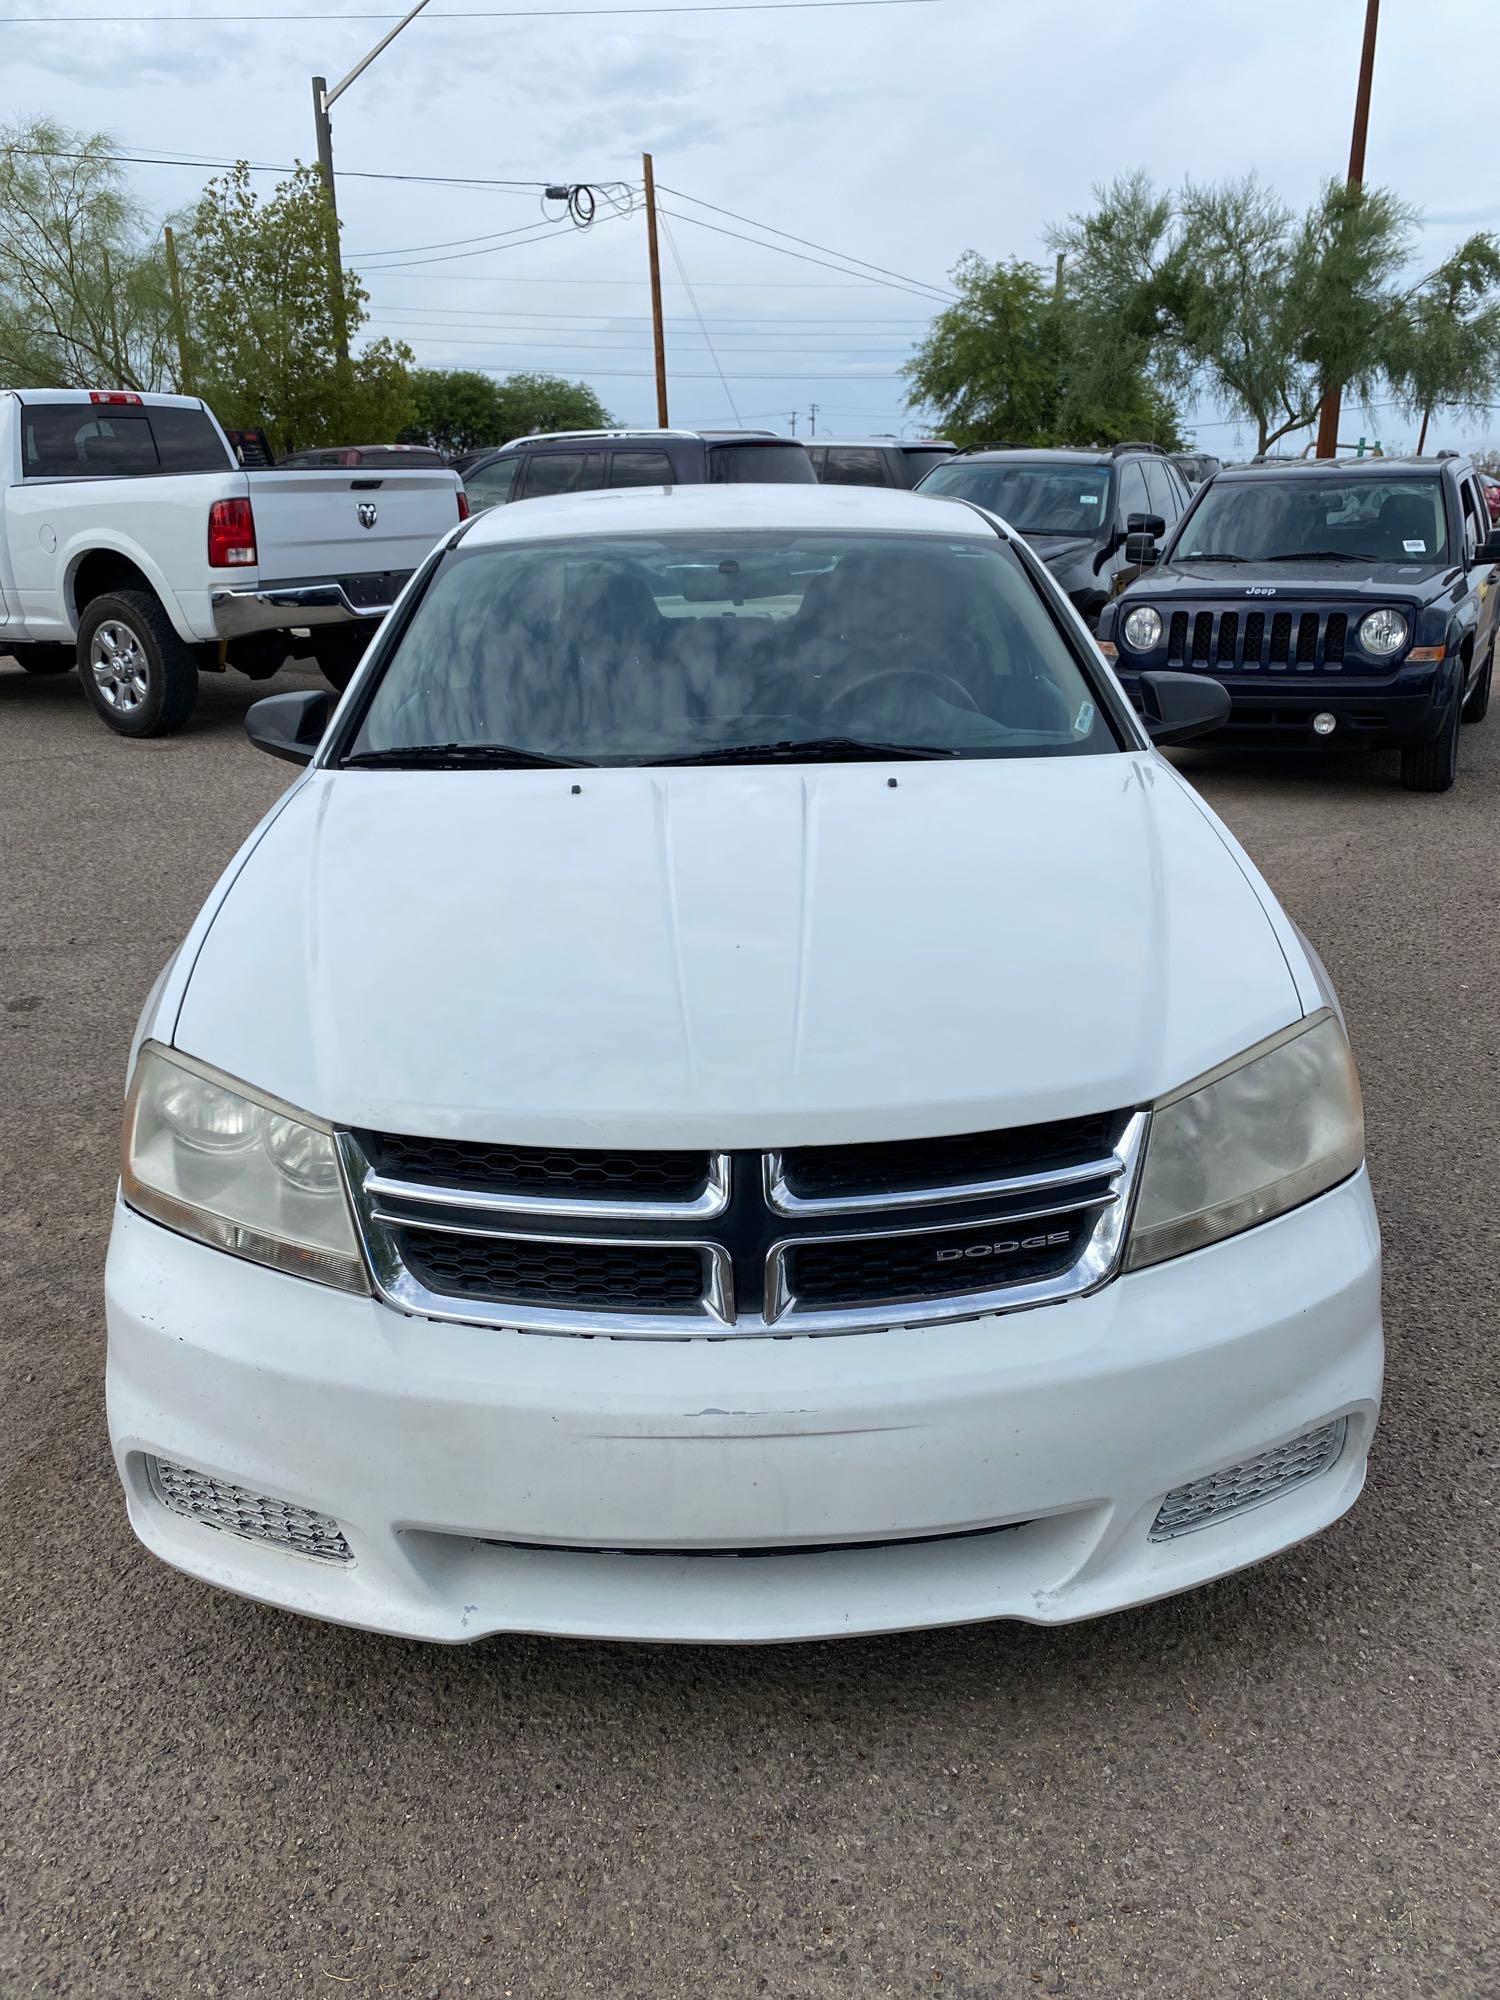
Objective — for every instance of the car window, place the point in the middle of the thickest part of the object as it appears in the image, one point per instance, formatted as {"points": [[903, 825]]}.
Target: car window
{"points": [[1134, 496], [919, 462], [1476, 515], [491, 484], [852, 465], [633, 648], [1391, 519], [754, 464], [1163, 491], [640, 468], [92, 440], [818, 454], [1036, 499], [549, 472]]}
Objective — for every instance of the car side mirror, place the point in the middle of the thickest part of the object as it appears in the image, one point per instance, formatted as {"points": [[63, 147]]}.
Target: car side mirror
{"points": [[1489, 548], [1141, 550], [289, 725], [1177, 707], [1145, 524]]}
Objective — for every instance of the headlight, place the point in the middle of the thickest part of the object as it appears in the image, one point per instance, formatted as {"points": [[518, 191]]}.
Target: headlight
{"points": [[1142, 628], [1382, 633], [215, 1160], [1278, 1125]]}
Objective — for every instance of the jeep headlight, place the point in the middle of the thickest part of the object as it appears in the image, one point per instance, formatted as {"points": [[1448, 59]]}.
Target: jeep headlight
{"points": [[1382, 633], [1142, 628], [1262, 1134], [231, 1167]]}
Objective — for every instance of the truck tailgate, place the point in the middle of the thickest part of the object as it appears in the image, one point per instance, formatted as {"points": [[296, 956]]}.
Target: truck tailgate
{"points": [[315, 524]]}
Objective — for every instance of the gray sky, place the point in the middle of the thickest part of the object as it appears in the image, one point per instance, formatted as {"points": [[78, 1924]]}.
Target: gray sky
{"points": [[897, 134]]}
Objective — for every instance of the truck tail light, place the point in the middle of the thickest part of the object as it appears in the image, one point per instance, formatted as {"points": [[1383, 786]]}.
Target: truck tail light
{"points": [[231, 534], [113, 396], [463, 505]]}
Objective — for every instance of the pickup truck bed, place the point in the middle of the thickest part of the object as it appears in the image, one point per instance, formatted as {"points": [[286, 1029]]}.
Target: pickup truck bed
{"points": [[133, 544]]}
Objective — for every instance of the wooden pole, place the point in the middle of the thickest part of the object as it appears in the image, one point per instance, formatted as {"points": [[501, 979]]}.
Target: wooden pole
{"points": [[657, 333], [323, 125], [179, 317], [1328, 421]]}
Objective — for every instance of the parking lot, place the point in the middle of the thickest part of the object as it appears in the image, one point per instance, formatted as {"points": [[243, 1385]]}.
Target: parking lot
{"points": [[1281, 1785]]}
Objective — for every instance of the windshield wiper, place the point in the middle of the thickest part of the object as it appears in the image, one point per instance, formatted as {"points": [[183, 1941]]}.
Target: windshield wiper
{"points": [[461, 757], [1213, 555], [809, 750], [1325, 555]]}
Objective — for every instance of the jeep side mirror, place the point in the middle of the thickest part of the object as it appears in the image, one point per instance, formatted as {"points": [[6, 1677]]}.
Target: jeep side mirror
{"points": [[289, 725], [1177, 707], [1141, 531]]}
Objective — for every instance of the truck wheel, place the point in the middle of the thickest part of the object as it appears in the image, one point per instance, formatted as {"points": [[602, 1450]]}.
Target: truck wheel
{"points": [[1432, 766], [338, 651], [1479, 696], [45, 659], [136, 671]]}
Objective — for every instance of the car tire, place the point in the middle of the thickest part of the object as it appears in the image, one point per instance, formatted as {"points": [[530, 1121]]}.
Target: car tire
{"points": [[1475, 707], [141, 678], [339, 652], [1432, 766], [45, 659]]}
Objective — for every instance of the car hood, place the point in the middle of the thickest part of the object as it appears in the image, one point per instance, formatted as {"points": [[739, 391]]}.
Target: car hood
{"points": [[742, 957], [1055, 550], [1373, 583]]}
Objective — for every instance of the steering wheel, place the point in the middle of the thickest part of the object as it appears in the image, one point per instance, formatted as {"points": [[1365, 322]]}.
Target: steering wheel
{"points": [[928, 675]]}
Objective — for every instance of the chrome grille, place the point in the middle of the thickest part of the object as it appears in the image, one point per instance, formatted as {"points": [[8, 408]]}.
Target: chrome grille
{"points": [[820, 1239], [239, 1511], [1238, 1488]]}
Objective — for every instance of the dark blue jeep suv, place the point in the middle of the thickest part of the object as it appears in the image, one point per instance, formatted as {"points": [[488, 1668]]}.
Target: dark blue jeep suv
{"points": [[1337, 601]]}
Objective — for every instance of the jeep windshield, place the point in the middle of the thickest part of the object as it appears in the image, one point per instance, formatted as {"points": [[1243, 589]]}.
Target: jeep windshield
{"points": [[1034, 499], [773, 646], [1313, 519]]}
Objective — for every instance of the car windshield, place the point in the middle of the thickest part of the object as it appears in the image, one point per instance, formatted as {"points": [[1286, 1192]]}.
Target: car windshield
{"points": [[644, 648], [921, 459], [1391, 520], [1036, 499], [757, 464]]}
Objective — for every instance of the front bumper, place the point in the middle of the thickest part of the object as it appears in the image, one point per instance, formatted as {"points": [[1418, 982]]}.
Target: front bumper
{"points": [[1408, 707], [492, 1481]]}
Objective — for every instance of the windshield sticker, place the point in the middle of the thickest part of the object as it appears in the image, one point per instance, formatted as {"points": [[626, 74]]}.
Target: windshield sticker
{"points": [[1083, 721], [1088, 499], [1415, 548]]}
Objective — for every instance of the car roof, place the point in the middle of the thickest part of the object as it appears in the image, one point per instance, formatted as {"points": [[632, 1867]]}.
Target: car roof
{"points": [[643, 435], [659, 510], [1042, 455], [153, 399], [1342, 468], [887, 443]]}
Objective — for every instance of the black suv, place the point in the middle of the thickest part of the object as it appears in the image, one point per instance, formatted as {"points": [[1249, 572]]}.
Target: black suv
{"points": [[530, 468], [877, 461], [1342, 601], [1076, 508]]}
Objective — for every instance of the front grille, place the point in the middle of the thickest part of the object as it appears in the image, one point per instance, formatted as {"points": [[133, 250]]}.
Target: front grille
{"points": [[1203, 635], [1281, 637], [197, 1496], [893, 1167], [941, 1264], [1255, 638], [1229, 632], [827, 1238], [1177, 636], [1247, 642], [1333, 639], [540, 1170], [1307, 639], [1240, 1487], [557, 1271]]}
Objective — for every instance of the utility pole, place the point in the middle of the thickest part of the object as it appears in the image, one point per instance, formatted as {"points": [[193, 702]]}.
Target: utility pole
{"points": [[792, 420], [324, 100], [179, 317], [114, 322], [1328, 421], [658, 335], [812, 419], [1057, 282]]}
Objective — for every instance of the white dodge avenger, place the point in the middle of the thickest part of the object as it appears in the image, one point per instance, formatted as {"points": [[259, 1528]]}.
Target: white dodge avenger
{"points": [[738, 1097]]}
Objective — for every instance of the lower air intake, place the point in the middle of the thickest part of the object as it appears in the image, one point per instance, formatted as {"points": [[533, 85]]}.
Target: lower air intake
{"points": [[240, 1512], [1238, 1488]]}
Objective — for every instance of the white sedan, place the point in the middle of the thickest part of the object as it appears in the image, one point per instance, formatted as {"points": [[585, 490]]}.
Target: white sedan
{"points": [[625, 1152]]}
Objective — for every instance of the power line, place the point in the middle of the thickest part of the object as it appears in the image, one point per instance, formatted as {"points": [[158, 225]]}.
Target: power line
{"points": [[565, 345], [458, 14], [138, 159], [713, 351], [738, 323], [801, 255], [690, 375], [771, 230]]}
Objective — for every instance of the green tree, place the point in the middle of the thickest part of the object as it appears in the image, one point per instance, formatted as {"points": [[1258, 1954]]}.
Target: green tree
{"points": [[456, 409], [83, 295], [1020, 358], [1443, 351], [262, 321], [1237, 298], [546, 403]]}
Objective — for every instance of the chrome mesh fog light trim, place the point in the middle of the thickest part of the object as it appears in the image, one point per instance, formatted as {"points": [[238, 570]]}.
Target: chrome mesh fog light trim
{"points": [[239, 1511], [1238, 1488]]}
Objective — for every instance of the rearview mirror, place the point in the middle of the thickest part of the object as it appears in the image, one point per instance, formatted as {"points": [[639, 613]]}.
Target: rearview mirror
{"points": [[1177, 707], [289, 725]]}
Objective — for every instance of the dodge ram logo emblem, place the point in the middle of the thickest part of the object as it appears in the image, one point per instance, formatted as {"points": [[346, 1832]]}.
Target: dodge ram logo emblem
{"points": [[368, 513]]}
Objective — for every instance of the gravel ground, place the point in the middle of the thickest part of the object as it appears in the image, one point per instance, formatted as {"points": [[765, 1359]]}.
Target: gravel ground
{"points": [[1282, 1785]]}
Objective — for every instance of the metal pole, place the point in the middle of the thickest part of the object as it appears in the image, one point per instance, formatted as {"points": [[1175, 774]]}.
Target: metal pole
{"points": [[332, 97], [812, 419], [114, 322], [324, 127], [1328, 422], [657, 333], [179, 317]]}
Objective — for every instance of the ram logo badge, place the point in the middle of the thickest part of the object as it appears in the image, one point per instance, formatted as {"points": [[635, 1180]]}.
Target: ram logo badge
{"points": [[368, 513]]}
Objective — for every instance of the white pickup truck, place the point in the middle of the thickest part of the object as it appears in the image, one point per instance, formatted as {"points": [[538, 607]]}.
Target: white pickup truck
{"points": [[135, 546]]}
